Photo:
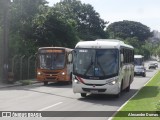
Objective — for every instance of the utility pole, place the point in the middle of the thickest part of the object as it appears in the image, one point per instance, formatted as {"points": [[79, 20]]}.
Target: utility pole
{"points": [[5, 34]]}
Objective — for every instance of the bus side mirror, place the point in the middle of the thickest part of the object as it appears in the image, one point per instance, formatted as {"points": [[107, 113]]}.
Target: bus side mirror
{"points": [[70, 57], [122, 58]]}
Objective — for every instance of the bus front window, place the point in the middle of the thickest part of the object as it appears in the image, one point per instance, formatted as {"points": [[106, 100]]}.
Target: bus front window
{"points": [[84, 61], [52, 60], [137, 61], [107, 60], [96, 62]]}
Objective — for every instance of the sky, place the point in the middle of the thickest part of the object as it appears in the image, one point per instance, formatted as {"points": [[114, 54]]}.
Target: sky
{"points": [[145, 11]]}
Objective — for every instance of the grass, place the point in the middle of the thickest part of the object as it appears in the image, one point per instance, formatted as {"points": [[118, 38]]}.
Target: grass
{"points": [[27, 82], [147, 99]]}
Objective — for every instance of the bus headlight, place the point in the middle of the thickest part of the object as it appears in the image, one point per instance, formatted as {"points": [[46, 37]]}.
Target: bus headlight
{"points": [[76, 81], [38, 73], [63, 73], [113, 82]]}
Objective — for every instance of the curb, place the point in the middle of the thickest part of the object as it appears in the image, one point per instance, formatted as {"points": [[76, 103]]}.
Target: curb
{"points": [[16, 84], [8, 86]]}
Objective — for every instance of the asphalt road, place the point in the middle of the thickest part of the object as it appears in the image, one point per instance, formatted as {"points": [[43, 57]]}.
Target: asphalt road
{"points": [[60, 97]]}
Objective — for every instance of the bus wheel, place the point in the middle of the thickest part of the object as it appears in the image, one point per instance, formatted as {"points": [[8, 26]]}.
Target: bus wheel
{"points": [[119, 94], [71, 78], [83, 94], [128, 88], [69, 82], [45, 82], [144, 75]]}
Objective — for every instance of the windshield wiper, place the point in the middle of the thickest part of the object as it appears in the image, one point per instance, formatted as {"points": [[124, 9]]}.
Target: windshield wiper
{"points": [[101, 67], [89, 67]]}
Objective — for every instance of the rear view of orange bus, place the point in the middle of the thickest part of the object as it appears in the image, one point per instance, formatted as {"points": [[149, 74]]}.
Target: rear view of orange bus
{"points": [[53, 64]]}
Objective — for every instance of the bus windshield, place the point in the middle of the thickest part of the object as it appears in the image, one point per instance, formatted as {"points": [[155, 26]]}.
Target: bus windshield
{"points": [[138, 61], [52, 60], [96, 62]]}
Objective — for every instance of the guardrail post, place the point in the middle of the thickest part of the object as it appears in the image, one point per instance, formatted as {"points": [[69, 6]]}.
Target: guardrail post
{"points": [[29, 64], [21, 60], [13, 62]]}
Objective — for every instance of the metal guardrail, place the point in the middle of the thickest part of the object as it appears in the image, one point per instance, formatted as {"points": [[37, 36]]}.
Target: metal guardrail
{"points": [[22, 67]]}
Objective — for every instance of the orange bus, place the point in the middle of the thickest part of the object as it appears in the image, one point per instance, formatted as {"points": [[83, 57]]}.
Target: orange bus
{"points": [[54, 65]]}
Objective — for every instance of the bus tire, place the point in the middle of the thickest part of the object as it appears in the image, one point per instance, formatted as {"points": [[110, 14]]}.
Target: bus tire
{"points": [[129, 86], [45, 82], [119, 94], [69, 82], [70, 79], [83, 94], [144, 75]]}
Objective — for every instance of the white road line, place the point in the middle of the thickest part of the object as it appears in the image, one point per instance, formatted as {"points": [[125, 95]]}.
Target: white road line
{"points": [[50, 106]]}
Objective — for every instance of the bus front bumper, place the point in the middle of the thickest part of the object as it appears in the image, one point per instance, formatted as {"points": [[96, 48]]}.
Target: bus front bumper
{"points": [[52, 78], [93, 89]]}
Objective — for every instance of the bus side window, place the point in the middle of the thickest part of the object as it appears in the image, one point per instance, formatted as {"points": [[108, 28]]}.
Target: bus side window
{"points": [[121, 52]]}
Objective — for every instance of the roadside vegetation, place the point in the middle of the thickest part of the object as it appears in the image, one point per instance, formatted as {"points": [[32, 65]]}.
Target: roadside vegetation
{"points": [[27, 82], [147, 99]]}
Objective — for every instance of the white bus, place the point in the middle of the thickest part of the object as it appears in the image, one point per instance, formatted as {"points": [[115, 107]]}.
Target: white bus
{"points": [[104, 66], [139, 60], [139, 68]]}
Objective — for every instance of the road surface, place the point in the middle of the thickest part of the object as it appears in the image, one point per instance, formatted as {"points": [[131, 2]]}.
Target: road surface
{"points": [[60, 97]]}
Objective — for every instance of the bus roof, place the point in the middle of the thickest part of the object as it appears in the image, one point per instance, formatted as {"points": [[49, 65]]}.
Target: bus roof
{"points": [[102, 43], [138, 56], [42, 48]]}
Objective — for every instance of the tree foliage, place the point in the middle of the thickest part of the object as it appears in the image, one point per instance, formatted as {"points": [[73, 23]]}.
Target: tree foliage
{"points": [[128, 29], [158, 51], [140, 48], [133, 33], [22, 29], [34, 24], [86, 20], [55, 32]]}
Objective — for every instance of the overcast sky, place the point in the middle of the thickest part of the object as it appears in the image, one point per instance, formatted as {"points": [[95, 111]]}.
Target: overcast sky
{"points": [[145, 11]]}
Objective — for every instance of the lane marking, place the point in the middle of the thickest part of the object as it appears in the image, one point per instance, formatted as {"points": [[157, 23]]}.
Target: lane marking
{"points": [[50, 106]]}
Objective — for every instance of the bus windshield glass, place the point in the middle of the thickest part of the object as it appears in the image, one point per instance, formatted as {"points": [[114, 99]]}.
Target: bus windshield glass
{"points": [[138, 61], [52, 60], [96, 62]]}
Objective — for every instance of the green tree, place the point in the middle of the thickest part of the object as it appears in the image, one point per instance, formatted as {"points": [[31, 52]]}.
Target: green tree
{"points": [[158, 51], [128, 29], [87, 21], [140, 48], [23, 12], [55, 31]]}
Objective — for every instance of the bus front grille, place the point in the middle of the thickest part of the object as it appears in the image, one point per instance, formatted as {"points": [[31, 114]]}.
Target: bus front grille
{"points": [[53, 72], [53, 78], [90, 89]]}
